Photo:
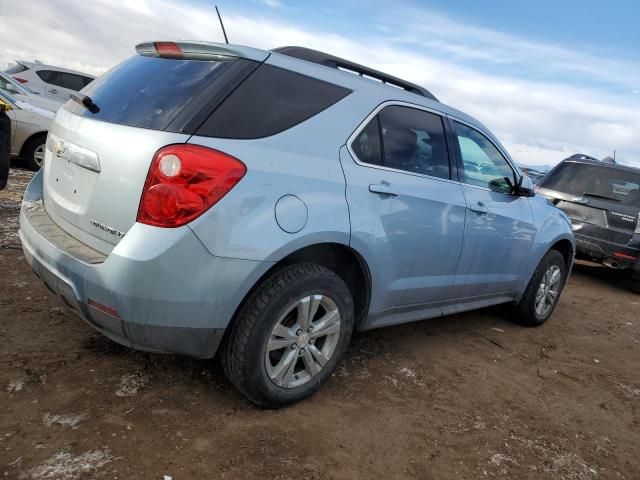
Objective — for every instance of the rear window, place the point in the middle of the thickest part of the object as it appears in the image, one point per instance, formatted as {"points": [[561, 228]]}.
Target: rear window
{"points": [[150, 92], [17, 68], [270, 101], [579, 179]]}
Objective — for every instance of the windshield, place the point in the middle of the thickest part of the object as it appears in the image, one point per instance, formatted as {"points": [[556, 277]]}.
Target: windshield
{"points": [[6, 98], [14, 87], [597, 181]]}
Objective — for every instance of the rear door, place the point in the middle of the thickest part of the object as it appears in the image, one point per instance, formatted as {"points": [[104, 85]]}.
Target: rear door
{"points": [[96, 163], [407, 215], [499, 227]]}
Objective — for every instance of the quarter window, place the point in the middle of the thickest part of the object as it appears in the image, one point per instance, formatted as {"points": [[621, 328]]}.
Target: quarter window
{"points": [[270, 101], [407, 139], [482, 163]]}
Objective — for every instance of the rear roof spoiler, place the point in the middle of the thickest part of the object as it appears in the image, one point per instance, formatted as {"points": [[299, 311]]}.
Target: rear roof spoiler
{"points": [[194, 50], [332, 61]]}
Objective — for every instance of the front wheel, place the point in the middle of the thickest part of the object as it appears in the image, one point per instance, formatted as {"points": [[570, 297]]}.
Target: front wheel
{"points": [[290, 336], [543, 292]]}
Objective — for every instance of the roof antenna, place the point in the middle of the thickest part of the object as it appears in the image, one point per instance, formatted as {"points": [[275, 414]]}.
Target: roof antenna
{"points": [[222, 25]]}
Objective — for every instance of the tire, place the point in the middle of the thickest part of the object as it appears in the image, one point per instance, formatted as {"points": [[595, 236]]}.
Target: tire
{"points": [[30, 152], [278, 302], [528, 312], [634, 282]]}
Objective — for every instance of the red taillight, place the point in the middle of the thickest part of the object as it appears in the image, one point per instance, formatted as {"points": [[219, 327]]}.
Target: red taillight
{"points": [[21, 80], [626, 256], [184, 181], [168, 49]]}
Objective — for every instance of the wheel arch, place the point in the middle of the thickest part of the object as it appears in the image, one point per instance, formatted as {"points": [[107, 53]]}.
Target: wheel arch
{"points": [[566, 249], [29, 139], [346, 262]]}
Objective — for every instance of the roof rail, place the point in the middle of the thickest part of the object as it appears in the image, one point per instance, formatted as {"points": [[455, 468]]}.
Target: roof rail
{"points": [[582, 156], [332, 61]]}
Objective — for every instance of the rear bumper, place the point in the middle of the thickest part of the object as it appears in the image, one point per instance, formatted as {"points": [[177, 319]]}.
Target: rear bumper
{"points": [[168, 293], [608, 252]]}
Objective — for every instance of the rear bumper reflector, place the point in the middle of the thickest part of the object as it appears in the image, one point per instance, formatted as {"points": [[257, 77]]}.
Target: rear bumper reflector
{"points": [[103, 308]]}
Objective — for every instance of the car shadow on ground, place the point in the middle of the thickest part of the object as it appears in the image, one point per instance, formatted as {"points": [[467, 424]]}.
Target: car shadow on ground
{"points": [[392, 344], [606, 276]]}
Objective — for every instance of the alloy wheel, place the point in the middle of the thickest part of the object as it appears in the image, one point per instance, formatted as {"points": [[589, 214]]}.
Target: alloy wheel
{"points": [[548, 291], [302, 341]]}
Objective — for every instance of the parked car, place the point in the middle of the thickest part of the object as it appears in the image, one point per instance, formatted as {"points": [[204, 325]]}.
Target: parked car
{"points": [[29, 125], [19, 92], [49, 81], [203, 197], [603, 201]]}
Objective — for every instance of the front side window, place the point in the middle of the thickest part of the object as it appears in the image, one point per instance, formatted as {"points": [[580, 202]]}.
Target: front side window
{"points": [[482, 163], [407, 139]]}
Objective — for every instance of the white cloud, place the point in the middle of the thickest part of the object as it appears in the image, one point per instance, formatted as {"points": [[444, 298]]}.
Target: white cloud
{"points": [[539, 121], [272, 3]]}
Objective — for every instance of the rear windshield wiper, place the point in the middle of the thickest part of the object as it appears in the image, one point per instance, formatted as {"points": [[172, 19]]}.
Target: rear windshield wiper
{"points": [[86, 102], [604, 197]]}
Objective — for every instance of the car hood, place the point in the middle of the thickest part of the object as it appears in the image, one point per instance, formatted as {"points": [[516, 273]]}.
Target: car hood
{"points": [[48, 114]]}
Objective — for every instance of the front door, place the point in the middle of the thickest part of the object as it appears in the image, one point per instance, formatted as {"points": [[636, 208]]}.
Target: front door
{"points": [[499, 227], [407, 216]]}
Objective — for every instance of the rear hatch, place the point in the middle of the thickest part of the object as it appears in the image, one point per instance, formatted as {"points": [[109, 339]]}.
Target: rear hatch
{"points": [[602, 200], [100, 146]]}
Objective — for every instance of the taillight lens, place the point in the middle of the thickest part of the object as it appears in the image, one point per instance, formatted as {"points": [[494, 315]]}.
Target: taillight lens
{"points": [[21, 80], [184, 181], [168, 50]]}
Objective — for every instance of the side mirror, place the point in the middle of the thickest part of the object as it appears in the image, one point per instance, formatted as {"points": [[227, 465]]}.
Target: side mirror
{"points": [[525, 187], [522, 188]]}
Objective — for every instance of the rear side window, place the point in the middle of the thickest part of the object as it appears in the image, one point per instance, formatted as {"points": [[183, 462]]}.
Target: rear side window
{"points": [[407, 139], [86, 81], [579, 179], [270, 101], [150, 92], [47, 76], [70, 81]]}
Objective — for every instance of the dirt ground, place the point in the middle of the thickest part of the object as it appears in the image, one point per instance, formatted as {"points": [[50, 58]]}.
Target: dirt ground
{"points": [[464, 397]]}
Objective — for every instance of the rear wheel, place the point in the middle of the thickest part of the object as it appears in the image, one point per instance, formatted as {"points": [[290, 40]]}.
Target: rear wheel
{"points": [[543, 292], [634, 282], [33, 152], [290, 335]]}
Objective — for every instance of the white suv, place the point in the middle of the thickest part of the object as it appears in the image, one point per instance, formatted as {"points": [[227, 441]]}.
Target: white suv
{"points": [[52, 82]]}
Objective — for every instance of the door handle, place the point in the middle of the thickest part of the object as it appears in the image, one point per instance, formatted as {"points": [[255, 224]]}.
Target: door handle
{"points": [[383, 190], [479, 208], [53, 90]]}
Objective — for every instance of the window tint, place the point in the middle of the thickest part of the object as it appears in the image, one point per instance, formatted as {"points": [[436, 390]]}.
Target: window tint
{"points": [[366, 146], [150, 92], [412, 140], [621, 186], [270, 101], [46, 75], [71, 81], [482, 163], [86, 81]]}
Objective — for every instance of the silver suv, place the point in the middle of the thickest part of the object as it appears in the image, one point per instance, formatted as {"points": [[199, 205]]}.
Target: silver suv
{"points": [[202, 198]]}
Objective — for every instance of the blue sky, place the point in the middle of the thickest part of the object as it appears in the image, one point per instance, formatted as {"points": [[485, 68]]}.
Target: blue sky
{"points": [[549, 78]]}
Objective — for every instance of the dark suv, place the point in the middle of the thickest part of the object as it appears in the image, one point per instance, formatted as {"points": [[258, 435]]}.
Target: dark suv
{"points": [[603, 201]]}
